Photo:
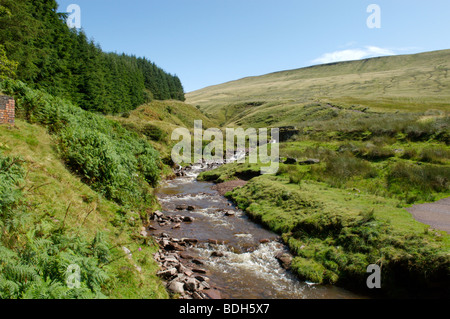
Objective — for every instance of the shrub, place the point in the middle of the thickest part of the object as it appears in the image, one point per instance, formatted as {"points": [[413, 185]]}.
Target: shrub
{"points": [[33, 264], [425, 179], [436, 155], [342, 167], [409, 154], [106, 156], [11, 173], [154, 132], [375, 153]]}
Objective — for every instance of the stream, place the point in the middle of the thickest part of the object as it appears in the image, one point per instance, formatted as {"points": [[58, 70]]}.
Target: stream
{"points": [[247, 268]]}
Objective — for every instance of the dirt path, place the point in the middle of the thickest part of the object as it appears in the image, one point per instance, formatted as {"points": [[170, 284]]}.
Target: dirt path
{"points": [[223, 188], [437, 214]]}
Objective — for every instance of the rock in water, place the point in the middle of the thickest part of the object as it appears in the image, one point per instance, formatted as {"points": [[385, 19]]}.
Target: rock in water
{"points": [[285, 259], [191, 284], [188, 219], [217, 254], [213, 294], [230, 213], [199, 271], [177, 225]]}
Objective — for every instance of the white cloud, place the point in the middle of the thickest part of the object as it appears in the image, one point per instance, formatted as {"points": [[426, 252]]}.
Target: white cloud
{"points": [[353, 54]]}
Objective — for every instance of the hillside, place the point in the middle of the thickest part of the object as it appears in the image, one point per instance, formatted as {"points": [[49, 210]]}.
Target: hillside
{"points": [[57, 220], [155, 121], [77, 188], [371, 137], [407, 83]]}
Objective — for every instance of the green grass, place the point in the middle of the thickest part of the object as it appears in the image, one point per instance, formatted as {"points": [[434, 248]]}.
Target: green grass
{"points": [[381, 130], [336, 233], [54, 196], [157, 120], [345, 213]]}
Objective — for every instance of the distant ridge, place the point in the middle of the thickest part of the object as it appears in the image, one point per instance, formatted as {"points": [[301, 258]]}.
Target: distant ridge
{"points": [[411, 82]]}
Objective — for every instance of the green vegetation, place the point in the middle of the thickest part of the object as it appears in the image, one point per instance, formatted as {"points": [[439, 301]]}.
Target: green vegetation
{"points": [[7, 68], [64, 63], [410, 83], [156, 121], [76, 187], [49, 220], [109, 158], [378, 169], [335, 233], [370, 156]]}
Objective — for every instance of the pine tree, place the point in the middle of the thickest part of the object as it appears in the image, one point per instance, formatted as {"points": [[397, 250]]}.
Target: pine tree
{"points": [[64, 63]]}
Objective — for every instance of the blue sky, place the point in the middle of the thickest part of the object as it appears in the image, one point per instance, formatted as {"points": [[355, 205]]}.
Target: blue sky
{"points": [[207, 42]]}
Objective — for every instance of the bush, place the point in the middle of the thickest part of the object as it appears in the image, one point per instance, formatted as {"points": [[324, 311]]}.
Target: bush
{"points": [[424, 179], [154, 133], [106, 156], [371, 125], [11, 173], [40, 269], [409, 154], [342, 167], [375, 153], [436, 155]]}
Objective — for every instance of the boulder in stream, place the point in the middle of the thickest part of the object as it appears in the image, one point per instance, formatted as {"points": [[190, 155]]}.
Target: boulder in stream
{"points": [[285, 259], [217, 254], [177, 225], [188, 219], [230, 213], [213, 294], [176, 287]]}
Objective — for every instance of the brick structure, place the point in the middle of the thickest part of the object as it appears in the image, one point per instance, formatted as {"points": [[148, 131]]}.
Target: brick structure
{"points": [[7, 110]]}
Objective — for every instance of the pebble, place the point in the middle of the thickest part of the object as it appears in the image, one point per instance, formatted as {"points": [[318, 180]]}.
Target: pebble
{"points": [[181, 279]]}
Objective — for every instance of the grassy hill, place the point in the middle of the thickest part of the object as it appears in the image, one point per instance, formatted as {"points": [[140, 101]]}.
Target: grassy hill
{"points": [[379, 133], [414, 83], [155, 121]]}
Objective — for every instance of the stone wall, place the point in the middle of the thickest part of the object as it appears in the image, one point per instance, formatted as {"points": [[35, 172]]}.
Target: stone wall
{"points": [[7, 110]]}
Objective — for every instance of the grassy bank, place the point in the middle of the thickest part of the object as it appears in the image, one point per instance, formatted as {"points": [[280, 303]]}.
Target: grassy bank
{"points": [[76, 188], [51, 219], [335, 233]]}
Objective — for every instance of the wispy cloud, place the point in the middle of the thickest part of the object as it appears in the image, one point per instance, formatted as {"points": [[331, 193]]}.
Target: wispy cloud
{"points": [[353, 54]]}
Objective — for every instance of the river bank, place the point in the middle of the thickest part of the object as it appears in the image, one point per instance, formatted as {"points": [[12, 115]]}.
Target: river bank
{"points": [[228, 255], [335, 234]]}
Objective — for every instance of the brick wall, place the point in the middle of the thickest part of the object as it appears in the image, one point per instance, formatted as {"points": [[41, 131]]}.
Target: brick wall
{"points": [[7, 110]]}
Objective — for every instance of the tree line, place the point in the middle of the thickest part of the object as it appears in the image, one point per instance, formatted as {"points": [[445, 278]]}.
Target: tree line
{"points": [[65, 63]]}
